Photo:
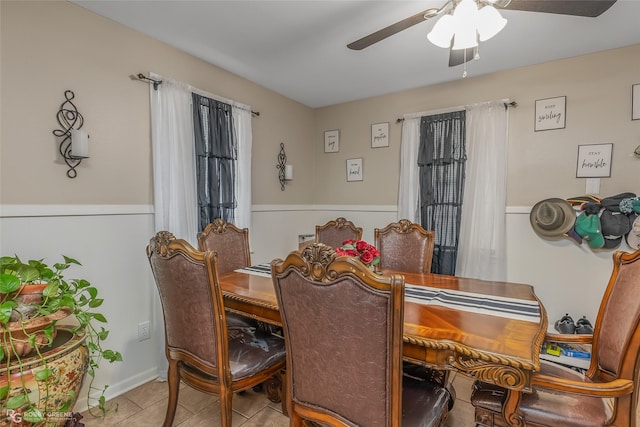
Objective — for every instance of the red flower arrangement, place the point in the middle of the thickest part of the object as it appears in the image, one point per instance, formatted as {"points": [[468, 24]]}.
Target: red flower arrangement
{"points": [[368, 254]]}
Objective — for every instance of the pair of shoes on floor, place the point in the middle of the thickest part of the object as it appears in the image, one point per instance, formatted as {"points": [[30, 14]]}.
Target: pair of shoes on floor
{"points": [[566, 325]]}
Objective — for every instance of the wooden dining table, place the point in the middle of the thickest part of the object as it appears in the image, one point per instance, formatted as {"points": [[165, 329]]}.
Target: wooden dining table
{"points": [[497, 348]]}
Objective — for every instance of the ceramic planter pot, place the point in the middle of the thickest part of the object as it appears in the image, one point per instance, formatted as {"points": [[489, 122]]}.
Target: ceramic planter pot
{"points": [[27, 299], [67, 358], [19, 330]]}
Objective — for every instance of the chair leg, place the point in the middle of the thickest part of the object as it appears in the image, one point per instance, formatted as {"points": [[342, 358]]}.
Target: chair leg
{"points": [[483, 418], [226, 408], [173, 381], [296, 421], [272, 388]]}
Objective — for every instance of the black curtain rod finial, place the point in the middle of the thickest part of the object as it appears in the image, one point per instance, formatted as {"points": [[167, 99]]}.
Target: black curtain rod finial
{"points": [[150, 80]]}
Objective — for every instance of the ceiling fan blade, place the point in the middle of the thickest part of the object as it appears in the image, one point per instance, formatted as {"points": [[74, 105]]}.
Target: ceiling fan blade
{"points": [[457, 57], [392, 29], [588, 8]]}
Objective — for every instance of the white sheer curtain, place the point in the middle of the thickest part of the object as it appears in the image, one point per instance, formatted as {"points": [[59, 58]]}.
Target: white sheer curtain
{"points": [[409, 188], [482, 244], [482, 240], [242, 127], [174, 178]]}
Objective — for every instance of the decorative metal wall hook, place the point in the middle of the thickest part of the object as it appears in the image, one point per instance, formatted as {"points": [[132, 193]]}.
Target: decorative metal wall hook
{"points": [[69, 120], [282, 163]]}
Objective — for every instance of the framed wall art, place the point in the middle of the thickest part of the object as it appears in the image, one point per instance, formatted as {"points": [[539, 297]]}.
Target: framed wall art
{"points": [[635, 102], [331, 141], [551, 113], [354, 170], [380, 135], [594, 161]]}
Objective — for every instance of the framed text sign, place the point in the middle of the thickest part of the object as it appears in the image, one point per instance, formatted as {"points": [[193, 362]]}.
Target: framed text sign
{"points": [[594, 161], [551, 113], [354, 169], [635, 102], [380, 135], [331, 141]]}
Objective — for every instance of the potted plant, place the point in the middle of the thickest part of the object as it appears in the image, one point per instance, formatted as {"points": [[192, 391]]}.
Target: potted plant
{"points": [[33, 298]]}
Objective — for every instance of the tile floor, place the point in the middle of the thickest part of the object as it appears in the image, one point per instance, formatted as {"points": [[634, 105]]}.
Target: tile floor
{"points": [[146, 405]]}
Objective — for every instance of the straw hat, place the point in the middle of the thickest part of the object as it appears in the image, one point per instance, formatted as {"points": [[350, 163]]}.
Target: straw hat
{"points": [[633, 238], [552, 217]]}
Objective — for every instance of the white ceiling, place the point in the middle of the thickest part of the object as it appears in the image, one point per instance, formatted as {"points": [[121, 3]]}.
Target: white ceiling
{"points": [[298, 48]]}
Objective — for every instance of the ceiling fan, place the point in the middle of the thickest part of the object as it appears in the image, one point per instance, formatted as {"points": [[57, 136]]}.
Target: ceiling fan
{"points": [[586, 8]]}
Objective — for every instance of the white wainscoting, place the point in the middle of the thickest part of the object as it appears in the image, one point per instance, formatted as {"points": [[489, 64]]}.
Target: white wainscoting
{"points": [[567, 278], [110, 241]]}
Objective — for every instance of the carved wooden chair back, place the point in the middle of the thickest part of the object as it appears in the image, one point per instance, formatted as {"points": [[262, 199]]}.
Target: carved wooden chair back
{"points": [[230, 242], [207, 357], [343, 331], [607, 394], [334, 232], [405, 246]]}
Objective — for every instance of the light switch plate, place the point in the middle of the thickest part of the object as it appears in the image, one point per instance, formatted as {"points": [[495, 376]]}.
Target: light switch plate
{"points": [[593, 186]]}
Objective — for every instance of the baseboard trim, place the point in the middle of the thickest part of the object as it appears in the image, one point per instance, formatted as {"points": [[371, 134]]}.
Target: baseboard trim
{"points": [[115, 390]]}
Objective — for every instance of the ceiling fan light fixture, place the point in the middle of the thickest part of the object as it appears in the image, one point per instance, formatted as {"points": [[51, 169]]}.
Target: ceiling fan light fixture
{"points": [[465, 38], [442, 32], [490, 22], [466, 16]]}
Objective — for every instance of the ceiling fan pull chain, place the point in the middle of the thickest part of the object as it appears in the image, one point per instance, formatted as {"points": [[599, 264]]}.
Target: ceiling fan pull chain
{"points": [[464, 72]]}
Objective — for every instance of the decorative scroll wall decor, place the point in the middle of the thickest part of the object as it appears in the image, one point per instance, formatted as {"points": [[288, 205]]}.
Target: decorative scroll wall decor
{"points": [[285, 171], [70, 121]]}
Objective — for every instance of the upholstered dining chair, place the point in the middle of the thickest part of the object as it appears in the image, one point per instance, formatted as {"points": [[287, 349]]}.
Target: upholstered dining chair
{"points": [[607, 394], [343, 327], [230, 242], [334, 232], [405, 246], [202, 351]]}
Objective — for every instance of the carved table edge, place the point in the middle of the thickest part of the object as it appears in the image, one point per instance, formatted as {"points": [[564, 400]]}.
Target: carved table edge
{"points": [[512, 373]]}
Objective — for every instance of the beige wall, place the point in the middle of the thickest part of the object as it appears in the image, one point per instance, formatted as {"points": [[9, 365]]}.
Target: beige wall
{"points": [[51, 46], [48, 47], [541, 164]]}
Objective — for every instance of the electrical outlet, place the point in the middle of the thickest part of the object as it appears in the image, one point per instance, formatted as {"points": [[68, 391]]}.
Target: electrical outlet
{"points": [[144, 332]]}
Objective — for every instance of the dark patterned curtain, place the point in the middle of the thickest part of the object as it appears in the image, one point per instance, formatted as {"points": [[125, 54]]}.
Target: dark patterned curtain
{"points": [[216, 155], [441, 159]]}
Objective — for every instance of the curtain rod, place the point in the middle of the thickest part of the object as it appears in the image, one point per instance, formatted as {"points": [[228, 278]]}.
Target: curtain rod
{"points": [[507, 103], [156, 83]]}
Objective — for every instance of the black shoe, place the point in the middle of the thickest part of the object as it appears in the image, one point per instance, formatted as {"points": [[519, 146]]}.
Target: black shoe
{"points": [[565, 325], [583, 326]]}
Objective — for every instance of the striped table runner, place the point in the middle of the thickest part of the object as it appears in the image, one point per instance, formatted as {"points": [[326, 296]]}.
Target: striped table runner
{"points": [[512, 308]]}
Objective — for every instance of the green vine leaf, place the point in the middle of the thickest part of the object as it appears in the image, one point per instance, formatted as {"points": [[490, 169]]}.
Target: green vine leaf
{"points": [[4, 391], [112, 356], [99, 317], [6, 308], [51, 290], [8, 283], [17, 401], [43, 374]]}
